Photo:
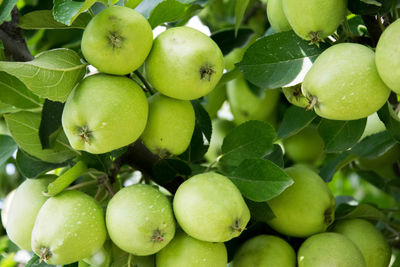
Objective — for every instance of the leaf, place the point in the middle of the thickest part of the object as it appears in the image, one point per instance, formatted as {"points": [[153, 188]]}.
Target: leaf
{"points": [[64, 180], [372, 2], [50, 121], [332, 163], [5, 9], [240, 9], [364, 211], [259, 180], [66, 11], [369, 7], [227, 41], [24, 128], [146, 7], [6, 108], [276, 156], [251, 139], [43, 19], [31, 167], [294, 120], [276, 60], [391, 121], [14, 92], [165, 170], [7, 148], [260, 211], [374, 145], [52, 74], [341, 135], [35, 261]]}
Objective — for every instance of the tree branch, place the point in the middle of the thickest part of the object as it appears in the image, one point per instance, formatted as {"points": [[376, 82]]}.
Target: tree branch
{"points": [[13, 39]]}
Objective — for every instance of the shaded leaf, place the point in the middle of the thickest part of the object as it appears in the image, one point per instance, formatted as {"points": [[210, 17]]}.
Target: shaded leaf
{"points": [[5, 9], [332, 163], [7, 148], [36, 262], [165, 170], [363, 211], [369, 7], [391, 121], [240, 9], [43, 19], [374, 145], [50, 121], [260, 211], [276, 156], [227, 41], [66, 11], [294, 120]]}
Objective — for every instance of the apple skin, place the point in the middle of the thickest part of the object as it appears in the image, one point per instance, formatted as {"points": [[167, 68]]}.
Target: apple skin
{"points": [[388, 56], [143, 214], [214, 100], [209, 207], [374, 125], [184, 63], [185, 251], [6, 207], [368, 239], [110, 40], [343, 83], [102, 258], [24, 208], [69, 227], [305, 208], [104, 113], [220, 129], [314, 19], [245, 105], [264, 251], [277, 17], [329, 249], [170, 125], [294, 95]]}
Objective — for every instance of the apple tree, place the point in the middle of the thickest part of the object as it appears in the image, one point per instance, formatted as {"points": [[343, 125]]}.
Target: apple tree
{"points": [[176, 133]]}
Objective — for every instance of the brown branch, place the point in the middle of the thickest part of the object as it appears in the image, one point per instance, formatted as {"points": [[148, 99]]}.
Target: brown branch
{"points": [[13, 39]]}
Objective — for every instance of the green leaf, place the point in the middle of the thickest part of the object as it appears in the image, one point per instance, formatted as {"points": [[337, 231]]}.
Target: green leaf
{"points": [[43, 19], [6, 108], [374, 145], [363, 211], [52, 74], [31, 167], [294, 120], [35, 261], [276, 60], [227, 41], [7, 148], [2, 55], [276, 156], [332, 163], [66, 11], [50, 121], [64, 180], [391, 121], [166, 170], [252, 139], [15, 93], [24, 128], [370, 7], [240, 9], [260, 211], [341, 135], [259, 180], [5, 9], [146, 7]]}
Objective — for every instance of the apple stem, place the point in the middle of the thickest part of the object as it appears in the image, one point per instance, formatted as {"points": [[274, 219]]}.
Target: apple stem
{"points": [[158, 236], [45, 254], [85, 133], [236, 226], [312, 103], [206, 72]]}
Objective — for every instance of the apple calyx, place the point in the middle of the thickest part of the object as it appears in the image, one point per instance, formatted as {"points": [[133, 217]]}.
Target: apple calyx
{"points": [[158, 236], [312, 102], [115, 39], [206, 72], [236, 226], [314, 38], [45, 254], [85, 133]]}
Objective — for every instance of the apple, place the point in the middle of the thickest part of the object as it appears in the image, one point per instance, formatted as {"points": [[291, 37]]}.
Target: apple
{"points": [[374, 125], [329, 249], [306, 146], [184, 63], [104, 112], [220, 128], [388, 56], [343, 83], [368, 239], [69, 227], [265, 250], [277, 17], [209, 207], [139, 220], [213, 101], [25, 206], [170, 125], [102, 258], [117, 40], [305, 208], [184, 251], [294, 95], [6, 207], [314, 20], [245, 105]]}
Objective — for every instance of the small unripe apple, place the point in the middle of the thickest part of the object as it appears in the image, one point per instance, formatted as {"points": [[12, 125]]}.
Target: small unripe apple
{"points": [[6, 207], [264, 251], [170, 125], [117, 40], [209, 207], [139, 220], [24, 208], [185, 251], [213, 101], [69, 227], [184, 63], [277, 17], [104, 112], [220, 128], [305, 208]]}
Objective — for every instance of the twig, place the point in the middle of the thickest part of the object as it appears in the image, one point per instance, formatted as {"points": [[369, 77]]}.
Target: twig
{"points": [[145, 83]]}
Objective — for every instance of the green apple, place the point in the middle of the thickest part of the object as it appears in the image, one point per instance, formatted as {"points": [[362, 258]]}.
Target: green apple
{"points": [[209, 207], [6, 207], [374, 125], [102, 258], [343, 83], [117, 40], [69, 227], [265, 251], [277, 17], [213, 101], [368, 239], [294, 95], [306, 146], [184, 63], [24, 208], [388, 56], [220, 128], [315, 20], [104, 113], [245, 105], [170, 125], [139, 220], [305, 208], [329, 249], [184, 251]]}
